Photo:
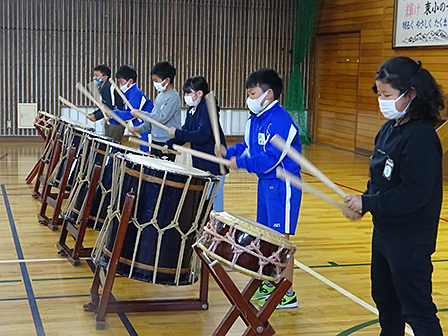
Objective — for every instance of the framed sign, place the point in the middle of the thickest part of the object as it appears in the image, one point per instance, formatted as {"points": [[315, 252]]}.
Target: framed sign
{"points": [[420, 23]]}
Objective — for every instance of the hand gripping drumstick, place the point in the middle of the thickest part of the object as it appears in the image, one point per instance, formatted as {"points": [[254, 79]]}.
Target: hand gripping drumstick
{"points": [[117, 88], [140, 115], [149, 144], [202, 155], [103, 108], [145, 116], [210, 100], [302, 161], [73, 106], [295, 181]]}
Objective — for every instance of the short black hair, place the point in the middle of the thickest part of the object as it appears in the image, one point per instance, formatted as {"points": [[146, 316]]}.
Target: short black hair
{"points": [[265, 79], [164, 70], [195, 84], [403, 73], [127, 72], [104, 69]]}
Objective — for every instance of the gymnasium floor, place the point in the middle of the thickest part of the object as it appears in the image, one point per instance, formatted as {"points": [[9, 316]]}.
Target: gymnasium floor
{"points": [[43, 294]]}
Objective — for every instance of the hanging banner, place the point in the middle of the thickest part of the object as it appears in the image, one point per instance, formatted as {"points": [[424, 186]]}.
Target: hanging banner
{"points": [[420, 23]]}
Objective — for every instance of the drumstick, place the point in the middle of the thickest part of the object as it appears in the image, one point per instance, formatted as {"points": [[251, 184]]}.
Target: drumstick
{"points": [[73, 106], [103, 108], [117, 88], [210, 100], [301, 160], [295, 181], [202, 155], [49, 115], [145, 116], [149, 144]]}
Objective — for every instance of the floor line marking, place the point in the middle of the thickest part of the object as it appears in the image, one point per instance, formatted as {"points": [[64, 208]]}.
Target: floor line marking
{"points": [[342, 290], [36, 260], [25, 275]]}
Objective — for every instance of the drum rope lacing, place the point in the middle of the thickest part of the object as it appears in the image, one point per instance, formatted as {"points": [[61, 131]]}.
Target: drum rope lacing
{"points": [[114, 211], [211, 234]]}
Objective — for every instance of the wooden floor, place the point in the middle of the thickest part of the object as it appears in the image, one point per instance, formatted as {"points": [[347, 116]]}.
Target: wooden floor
{"points": [[45, 297]]}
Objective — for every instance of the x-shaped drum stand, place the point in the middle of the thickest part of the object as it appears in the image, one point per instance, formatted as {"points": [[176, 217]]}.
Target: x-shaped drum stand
{"points": [[255, 320]]}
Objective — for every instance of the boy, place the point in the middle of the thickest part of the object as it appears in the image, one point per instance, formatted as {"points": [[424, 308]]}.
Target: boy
{"points": [[166, 107], [277, 202], [110, 98], [126, 79]]}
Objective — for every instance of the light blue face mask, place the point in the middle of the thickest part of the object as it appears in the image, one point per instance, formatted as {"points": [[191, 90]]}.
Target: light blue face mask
{"points": [[97, 80]]}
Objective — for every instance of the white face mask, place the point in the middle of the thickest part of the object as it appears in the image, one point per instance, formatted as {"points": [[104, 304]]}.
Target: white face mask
{"points": [[124, 87], [159, 87], [255, 104], [190, 102], [389, 110]]}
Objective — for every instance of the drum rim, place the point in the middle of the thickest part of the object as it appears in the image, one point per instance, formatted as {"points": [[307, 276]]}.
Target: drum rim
{"points": [[195, 172], [272, 236], [76, 123], [103, 139], [236, 267]]}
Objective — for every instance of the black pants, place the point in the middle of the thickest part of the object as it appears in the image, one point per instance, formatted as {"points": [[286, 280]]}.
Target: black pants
{"points": [[158, 153], [402, 286]]}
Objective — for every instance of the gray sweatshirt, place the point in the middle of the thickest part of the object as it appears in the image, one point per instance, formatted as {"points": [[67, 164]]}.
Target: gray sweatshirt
{"points": [[166, 111]]}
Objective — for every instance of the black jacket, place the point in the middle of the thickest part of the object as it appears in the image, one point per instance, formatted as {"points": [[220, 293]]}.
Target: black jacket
{"points": [[198, 131], [106, 97], [407, 204]]}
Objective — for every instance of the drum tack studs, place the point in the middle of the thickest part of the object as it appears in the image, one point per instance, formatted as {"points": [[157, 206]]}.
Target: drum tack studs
{"points": [[260, 329], [204, 306]]}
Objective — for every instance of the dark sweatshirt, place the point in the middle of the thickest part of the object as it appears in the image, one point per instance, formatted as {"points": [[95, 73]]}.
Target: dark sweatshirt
{"points": [[408, 205], [197, 130]]}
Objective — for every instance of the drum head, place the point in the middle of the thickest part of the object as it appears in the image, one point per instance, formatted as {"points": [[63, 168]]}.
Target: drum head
{"points": [[253, 228], [76, 123], [169, 166]]}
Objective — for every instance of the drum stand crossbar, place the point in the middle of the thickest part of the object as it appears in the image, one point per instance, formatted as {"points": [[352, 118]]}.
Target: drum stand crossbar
{"points": [[100, 303], [255, 320], [78, 234], [55, 199]]}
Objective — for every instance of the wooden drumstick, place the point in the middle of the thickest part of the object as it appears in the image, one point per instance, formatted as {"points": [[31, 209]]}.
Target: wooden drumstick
{"points": [[117, 88], [104, 108], [146, 117], [149, 144], [202, 155], [295, 181], [210, 100], [49, 115], [73, 106], [302, 161]]}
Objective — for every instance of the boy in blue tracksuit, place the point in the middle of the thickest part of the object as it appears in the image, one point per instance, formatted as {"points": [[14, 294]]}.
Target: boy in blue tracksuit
{"points": [[278, 203], [126, 79]]}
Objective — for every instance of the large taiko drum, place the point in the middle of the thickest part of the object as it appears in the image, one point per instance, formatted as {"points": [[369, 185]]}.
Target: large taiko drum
{"points": [[246, 246], [171, 207], [98, 152], [74, 135]]}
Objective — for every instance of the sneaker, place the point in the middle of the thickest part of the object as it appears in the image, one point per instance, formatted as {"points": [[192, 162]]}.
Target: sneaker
{"points": [[287, 301], [263, 291]]}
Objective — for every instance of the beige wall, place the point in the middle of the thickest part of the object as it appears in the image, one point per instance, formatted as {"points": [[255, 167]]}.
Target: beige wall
{"points": [[374, 22]]}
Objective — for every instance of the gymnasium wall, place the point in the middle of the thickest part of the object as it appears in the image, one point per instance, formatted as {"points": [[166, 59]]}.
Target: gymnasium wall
{"points": [[355, 37], [47, 46]]}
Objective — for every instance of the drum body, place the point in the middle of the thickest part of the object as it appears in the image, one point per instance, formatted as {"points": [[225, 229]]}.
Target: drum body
{"points": [[73, 134], [171, 206], [246, 246], [100, 152]]}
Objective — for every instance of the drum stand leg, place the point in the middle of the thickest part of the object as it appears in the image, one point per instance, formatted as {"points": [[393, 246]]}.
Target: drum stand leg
{"points": [[56, 202], [255, 320], [36, 167], [100, 303], [78, 250], [40, 177]]}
